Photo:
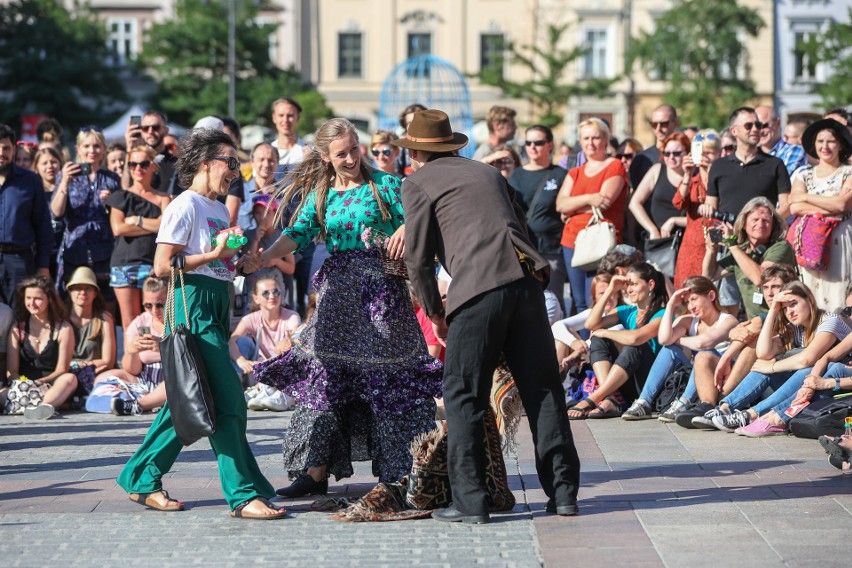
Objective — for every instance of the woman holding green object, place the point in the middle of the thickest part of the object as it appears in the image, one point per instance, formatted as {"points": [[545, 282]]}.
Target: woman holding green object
{"points": [[207, 165]]}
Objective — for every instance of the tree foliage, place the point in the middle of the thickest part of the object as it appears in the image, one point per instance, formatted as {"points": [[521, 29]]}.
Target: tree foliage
{"points": [[833, 48], [697, 49], [54, 62], [548, 88], [188, 57]]}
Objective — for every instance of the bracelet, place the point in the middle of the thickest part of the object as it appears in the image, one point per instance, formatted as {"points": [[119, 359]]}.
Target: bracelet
{"points": [[772, 368]]}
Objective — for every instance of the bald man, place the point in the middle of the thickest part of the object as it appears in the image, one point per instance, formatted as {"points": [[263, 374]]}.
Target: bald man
{"points": [[793, 155]]}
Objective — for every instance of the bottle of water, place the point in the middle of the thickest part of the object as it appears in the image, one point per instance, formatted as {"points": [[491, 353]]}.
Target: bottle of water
{"points": [[234, 241]]}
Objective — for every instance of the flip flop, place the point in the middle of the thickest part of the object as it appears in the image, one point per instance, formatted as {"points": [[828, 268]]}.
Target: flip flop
{"points": [[145, 500], [601, 413], [240, 513], [831, 445], [585, 411]]}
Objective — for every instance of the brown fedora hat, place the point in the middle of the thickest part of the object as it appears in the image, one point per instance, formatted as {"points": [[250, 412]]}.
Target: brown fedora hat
{"points": [[430, 131]]}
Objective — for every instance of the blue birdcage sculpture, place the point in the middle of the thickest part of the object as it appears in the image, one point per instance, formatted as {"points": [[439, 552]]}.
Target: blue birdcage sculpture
{"points": [[434, 83]]}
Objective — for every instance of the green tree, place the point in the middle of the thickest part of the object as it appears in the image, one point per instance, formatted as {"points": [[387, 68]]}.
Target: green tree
{"points": [[54, 62], [548, 89], [697, 49], [188, 58], [831, 48]]}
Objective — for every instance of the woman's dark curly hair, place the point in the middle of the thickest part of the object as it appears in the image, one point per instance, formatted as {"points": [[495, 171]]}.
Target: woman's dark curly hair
{"points": [[201, 145], [56, 312]]}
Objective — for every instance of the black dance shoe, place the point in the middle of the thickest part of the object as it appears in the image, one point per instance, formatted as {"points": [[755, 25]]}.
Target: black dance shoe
{"points": [[562, 509], [304, 485], [453, 515]]}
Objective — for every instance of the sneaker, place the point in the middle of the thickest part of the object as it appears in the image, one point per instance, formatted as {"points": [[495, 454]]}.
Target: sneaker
{"points": [[841, 464], [253, 392], [639, 410], [40, 412], [668, 415], [734, 420], [277, 402], [705, 421], [760, 428], [123, 407], [685, 416]]}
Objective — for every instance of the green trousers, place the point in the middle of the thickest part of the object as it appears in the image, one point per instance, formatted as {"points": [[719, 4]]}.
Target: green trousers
{"points": [[207, 302]]}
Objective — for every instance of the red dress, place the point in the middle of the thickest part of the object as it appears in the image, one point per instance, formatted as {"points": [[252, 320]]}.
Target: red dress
{"points": [[691, 253]]}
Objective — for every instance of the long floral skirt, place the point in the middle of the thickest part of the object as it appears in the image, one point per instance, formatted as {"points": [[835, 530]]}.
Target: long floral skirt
{"points": [[361, 374]]}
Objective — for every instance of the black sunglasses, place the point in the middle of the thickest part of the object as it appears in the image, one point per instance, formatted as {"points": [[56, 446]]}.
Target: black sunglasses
{"points": [[150, 127], [759, 125], [675, 154], [150, 306], [90, 129], [658, 124], [275, 292], [377, 153], [625, 156], [144, 164], [233, 163], [536, 143], [729, 147]]}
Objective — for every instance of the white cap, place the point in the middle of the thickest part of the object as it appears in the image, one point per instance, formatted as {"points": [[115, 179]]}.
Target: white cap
{"points": [[210, 122]]}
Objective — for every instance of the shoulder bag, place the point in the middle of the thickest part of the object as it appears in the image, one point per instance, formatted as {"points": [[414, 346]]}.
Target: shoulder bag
{"points": [[593, 242], [187, 389], [662, 253], [825, 416]]}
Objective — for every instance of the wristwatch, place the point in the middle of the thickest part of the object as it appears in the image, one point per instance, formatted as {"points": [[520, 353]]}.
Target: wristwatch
{"points": [[836, 384]]}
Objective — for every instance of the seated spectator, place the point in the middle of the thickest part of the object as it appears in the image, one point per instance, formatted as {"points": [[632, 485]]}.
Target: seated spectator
{"points": [[41, 344], [25, 154], [7, 317], [756, 243], [504, 158], [714, 376], [384, 153], [94, 329], [839, 449], [618, 356], [703, 329], [116, 157], [134, 216], [140, 364], [826, 189], [795, 335], [263, 334]]}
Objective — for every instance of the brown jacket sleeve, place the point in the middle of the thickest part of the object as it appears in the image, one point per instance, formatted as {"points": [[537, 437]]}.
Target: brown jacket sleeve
{"points": [[420, 247]]}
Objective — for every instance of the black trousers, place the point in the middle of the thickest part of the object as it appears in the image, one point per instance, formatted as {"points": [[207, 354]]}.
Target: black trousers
{"points": [[636, 362], [511, 319]]}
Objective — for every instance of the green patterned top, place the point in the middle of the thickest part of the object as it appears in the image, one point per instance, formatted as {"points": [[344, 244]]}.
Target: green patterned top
{"points": [[347, 213]]}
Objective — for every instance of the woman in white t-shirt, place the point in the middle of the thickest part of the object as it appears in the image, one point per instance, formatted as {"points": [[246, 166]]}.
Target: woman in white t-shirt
{"points": [[207, 165]]}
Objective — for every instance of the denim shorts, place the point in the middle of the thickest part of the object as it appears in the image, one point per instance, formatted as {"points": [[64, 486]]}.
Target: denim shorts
{"points": [[129, 276]]}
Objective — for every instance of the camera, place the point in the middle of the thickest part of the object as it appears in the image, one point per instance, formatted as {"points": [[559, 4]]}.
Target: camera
{"points": [[725, 217], [85, 169], [716, 235]]}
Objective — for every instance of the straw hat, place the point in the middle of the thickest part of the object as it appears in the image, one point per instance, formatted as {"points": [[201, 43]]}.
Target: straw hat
{"points": [[83, 275], [430, 131]]}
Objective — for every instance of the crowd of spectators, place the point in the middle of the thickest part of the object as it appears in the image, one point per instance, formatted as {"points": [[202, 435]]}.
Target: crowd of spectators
{"points": [[736, 259]]}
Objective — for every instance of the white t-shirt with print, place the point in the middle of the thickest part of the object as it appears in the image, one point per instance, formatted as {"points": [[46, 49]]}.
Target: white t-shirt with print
{"points": [[191, 220]]}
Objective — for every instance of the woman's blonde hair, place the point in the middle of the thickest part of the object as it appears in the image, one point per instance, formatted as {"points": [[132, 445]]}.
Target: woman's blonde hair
{"points": [[383, 137], [784, 328], [598, 123], [147, 150], [315, 175], [81, 136]]}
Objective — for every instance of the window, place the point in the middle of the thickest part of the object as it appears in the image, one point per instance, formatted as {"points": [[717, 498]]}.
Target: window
{"points": [[804, 64], [491, 53], [419, 44], [121, 39], [349, 60], [596, 57]]}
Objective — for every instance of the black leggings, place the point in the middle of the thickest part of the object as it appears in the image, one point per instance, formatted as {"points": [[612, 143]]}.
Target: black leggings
{"points": [[636, 361]]}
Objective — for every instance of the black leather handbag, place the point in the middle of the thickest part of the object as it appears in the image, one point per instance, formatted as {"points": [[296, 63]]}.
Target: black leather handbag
{"points": [[187, 389], [662, 253]]}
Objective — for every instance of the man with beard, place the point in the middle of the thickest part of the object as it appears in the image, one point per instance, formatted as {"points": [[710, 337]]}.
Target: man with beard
{"points": [[25, 233], [153, 131]]}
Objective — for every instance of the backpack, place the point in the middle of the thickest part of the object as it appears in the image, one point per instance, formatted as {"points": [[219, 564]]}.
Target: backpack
{"points": [[673, 388], [822, 417]]}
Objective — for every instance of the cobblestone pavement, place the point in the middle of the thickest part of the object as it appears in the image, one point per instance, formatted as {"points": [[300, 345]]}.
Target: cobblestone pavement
{"points": [[652, 495]]}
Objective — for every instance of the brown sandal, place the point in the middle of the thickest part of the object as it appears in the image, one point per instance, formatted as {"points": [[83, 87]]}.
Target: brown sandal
{"points": [[240, 513], [145, 500]]}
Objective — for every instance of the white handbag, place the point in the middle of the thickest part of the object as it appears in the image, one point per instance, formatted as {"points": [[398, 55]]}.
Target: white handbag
{"points": [[593, 242]]}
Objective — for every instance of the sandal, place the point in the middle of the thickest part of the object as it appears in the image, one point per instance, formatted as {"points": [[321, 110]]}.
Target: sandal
{"points": [[601, 412], [584, 412], [240, 513], [145, 500], [831, 445]]}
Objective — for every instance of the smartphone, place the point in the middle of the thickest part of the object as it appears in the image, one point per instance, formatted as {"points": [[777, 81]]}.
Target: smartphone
{"points": [[716, 235], [135, 121], [144, 330], [696, 149], [85, 169]]}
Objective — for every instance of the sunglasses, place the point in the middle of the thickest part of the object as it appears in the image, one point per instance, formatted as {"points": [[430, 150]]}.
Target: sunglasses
{"points": [[536, 143], [91, 129], [503, 164], [625, 156], [700, 137], [144, 164], [752, 125], [233, 163], [729, 147], [275, 292], [26, 144], [675, 154], [658, 124], [150, 306], [386, 152], [150, 127]]}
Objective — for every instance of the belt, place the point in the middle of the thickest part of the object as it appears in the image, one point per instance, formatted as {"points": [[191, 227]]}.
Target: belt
{"points": [[10, 248]]}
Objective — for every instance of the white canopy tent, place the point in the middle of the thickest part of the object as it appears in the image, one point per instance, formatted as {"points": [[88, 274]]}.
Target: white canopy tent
{"points": [[115, 132]]}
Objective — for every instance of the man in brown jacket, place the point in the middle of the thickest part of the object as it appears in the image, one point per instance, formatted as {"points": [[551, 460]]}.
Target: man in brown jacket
{"points": [[464, 213]]}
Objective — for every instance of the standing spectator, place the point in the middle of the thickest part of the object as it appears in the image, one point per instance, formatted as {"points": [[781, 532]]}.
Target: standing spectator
{"points": [[664, 121], [537, 185], [403, 163], [384, 153], [153, 132], [627, 152], [116, 157], [826, 189], [24, 221], [691, 194], [728, 144], [501, 130], [24, 154], [49, 131], [7, 317], [771, 142], [48, 164], [794, 130], [600, 182], [285, 116], [80, 200], [134, 217], [264, 161]]}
